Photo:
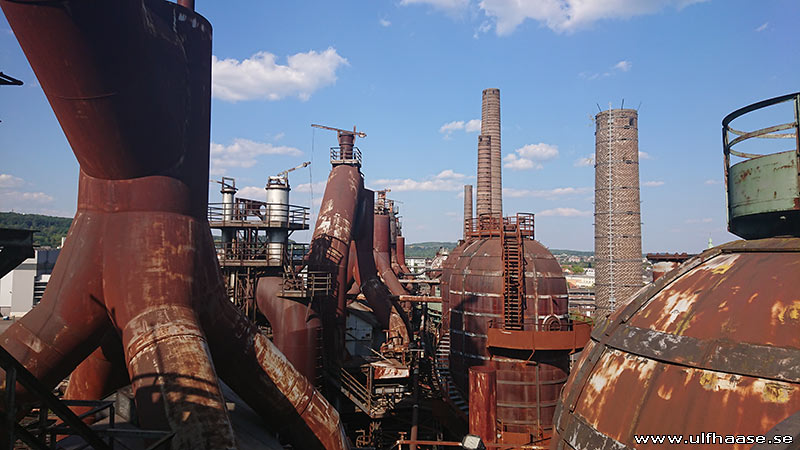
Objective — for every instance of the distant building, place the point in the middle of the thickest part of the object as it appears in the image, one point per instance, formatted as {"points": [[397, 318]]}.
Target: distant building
{"points": [[22, 288], [418, 265]]}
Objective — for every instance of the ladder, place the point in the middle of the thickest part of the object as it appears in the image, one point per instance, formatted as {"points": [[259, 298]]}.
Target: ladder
{"points": [[442, 368], [513, 281]]}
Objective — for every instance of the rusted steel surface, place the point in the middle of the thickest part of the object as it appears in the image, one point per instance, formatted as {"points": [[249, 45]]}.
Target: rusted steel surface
{"points": [[472, 291], [330, 247], [483, 402], [252, 366], [139, 252], [721, 333], [572, 340], [297, 327], [99, 375], [401, 254], [381, 244]]}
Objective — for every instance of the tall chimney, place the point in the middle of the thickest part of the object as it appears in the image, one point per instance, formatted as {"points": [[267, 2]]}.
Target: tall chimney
{"points": [[484, 201], [490, 126], [467, 209], [617, 218]]}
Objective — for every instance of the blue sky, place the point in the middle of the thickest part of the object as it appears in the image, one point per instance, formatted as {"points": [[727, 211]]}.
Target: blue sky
{"points": [[410, 74]]}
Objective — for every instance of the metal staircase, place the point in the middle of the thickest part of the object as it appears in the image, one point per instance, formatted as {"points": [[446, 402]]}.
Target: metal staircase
{"points": [[513, 282], [442, 367]]}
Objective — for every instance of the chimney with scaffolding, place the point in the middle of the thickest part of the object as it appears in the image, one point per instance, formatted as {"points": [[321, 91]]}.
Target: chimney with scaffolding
{"points": [[617, 218]]}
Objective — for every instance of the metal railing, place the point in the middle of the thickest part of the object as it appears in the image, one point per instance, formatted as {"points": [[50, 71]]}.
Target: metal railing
{"points": [[275, 215], [493, 226], [308, 284], [260, 253], [763, 133], [36, 434], [340, 157]]}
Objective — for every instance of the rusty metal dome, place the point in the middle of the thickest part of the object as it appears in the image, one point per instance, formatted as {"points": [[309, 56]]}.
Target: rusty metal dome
{"points": [[710, 352]]}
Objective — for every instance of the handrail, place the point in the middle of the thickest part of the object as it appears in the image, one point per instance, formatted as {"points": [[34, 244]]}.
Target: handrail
{"points": [[257, 213], [763, 133], [16, 372], [488, 226], [339, 157]]}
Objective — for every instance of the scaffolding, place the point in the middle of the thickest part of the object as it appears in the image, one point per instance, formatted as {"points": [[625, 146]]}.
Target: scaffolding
{"points": [[618, 240]]}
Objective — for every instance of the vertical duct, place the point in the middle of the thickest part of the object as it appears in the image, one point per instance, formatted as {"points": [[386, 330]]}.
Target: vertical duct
{"points": [[467, 209], [484, 201], [618, 229], [490, 126]]}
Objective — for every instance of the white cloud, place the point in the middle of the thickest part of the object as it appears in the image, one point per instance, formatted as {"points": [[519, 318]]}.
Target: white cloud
{"points": [[384, 22], [712, 181], [470, 126], [451, 6], [36, 197], [446, 180], [644, 155], [10, 181], [260, 77], [703, 220], [564, 212], [513, 162], [243, 153], [530, 156], [762, 27], [623, 65], [547, 193], [653, 183], [279, 136], [586, 161], [570, 15]]}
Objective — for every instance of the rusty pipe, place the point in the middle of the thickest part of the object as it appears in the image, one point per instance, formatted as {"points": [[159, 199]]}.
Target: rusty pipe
{"points": [[296, 326], [401, 254], [99, 375], [381, 255], [258, 372], [467, 210]]}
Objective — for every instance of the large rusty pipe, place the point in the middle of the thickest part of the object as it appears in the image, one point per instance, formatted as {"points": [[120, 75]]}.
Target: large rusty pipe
{"points": [[401, 254], [389, 314], [99, 375], [483, 402], [131, 219], [330, 248], [381, 251], [254, 368], [296, 327]]}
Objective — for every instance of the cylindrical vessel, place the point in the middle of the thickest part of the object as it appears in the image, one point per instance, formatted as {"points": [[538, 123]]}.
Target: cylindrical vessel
{"points": [[490, 126], [483, 402], [278, 217], [527, 385], [618, 229], [467, 209], [483, 204]]}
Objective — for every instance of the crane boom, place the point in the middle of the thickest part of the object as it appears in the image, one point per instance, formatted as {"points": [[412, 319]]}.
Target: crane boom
{"points": [[360, 134], [286, 172]]}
